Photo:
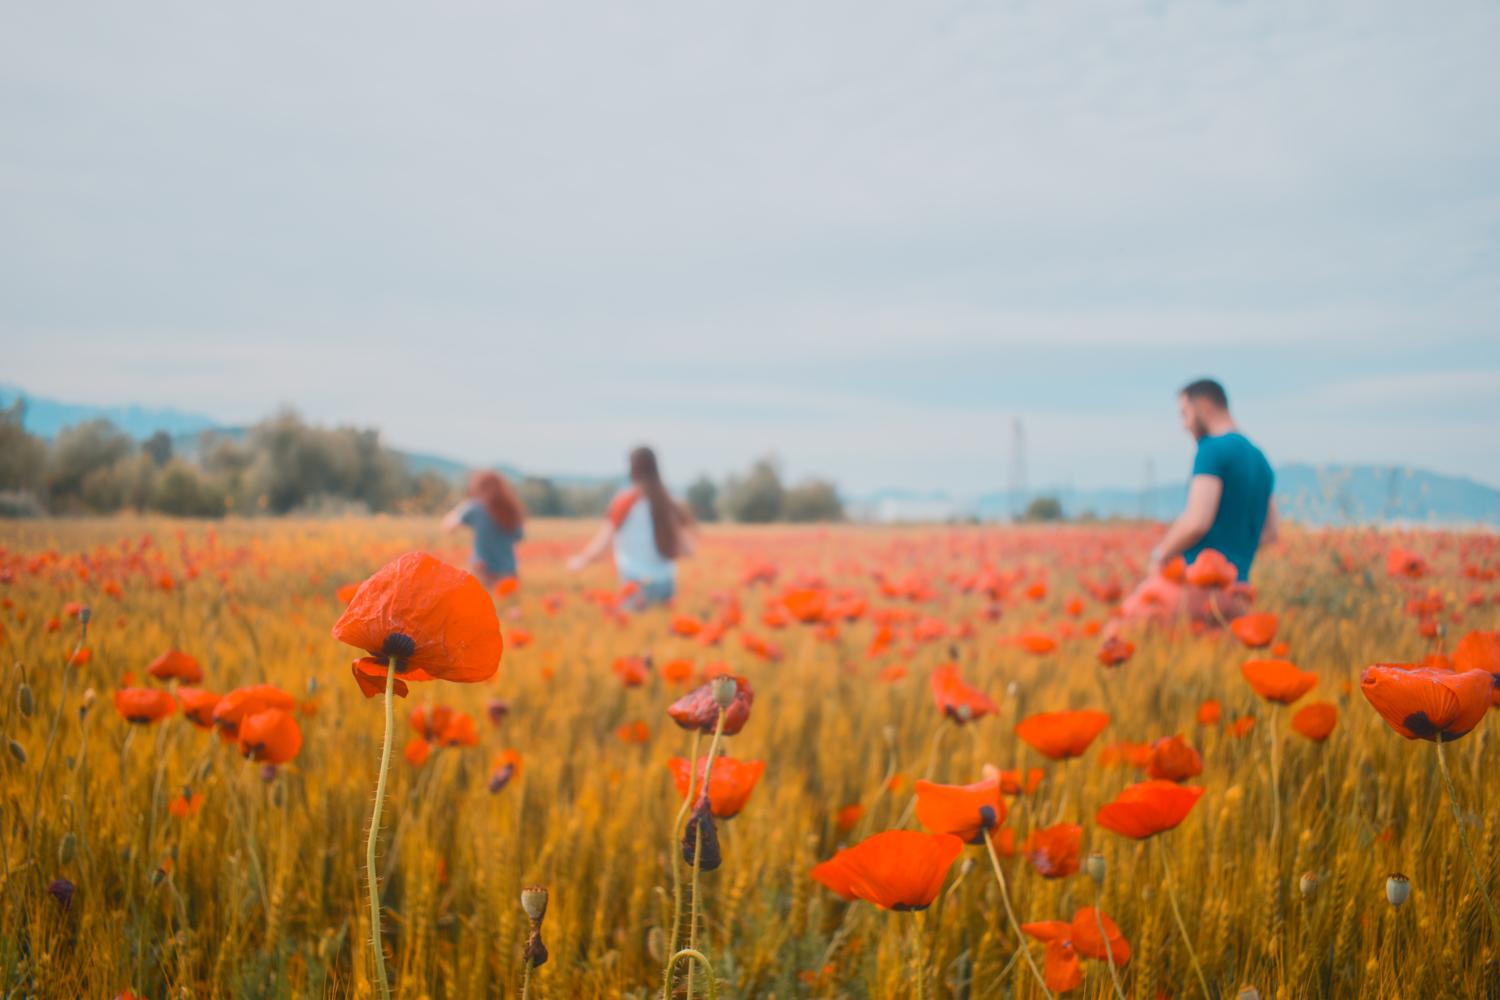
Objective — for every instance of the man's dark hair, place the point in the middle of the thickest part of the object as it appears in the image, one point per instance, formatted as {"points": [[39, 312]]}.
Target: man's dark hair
{"points": [[1207, 388]]}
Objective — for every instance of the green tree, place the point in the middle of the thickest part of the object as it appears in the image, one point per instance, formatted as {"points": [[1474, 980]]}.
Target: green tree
{"points": [[83, 454], [757, 497], [703, 499], [813, 500], [1043, 509], [540, 496], [23, 456], [159, 447]]}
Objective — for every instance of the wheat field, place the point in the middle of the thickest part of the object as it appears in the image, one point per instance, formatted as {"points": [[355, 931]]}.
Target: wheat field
{"points": [[152, 859]]}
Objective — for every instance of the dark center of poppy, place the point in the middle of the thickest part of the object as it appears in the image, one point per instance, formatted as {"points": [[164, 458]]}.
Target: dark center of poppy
{"points": [[399, 646], [987, 816], [1421, 726]]}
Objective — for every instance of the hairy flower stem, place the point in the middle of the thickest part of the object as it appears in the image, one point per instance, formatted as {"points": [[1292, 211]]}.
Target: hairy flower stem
{"points": [[1015, 925], [676, 867], [1275, 734], [708, 770], [1463, 837], [382, 987], [1187, 940]]}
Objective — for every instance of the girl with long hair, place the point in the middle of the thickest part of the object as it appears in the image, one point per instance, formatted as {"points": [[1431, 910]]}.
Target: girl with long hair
{"points": [[649, 531], [495, 513]]}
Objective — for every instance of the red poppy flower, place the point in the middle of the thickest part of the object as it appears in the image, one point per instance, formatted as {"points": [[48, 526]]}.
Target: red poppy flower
{"points": [[143, 705], [697, 709], [416, 751], [633, 732], [631, 670], [1148, 808], [1039, 643], [1209, 712], [1278, 680], [1011, 782], [436, 621], [185, 804], [1115, 651], [504, 768], [1173, 760], [957, 700], [198, 705], [1061, 735], [1053, 851], [729, 786], [1255, 630], [241, 702], [895, 870], [1240, 728], [1316, 721], [1066, 941], [965, 811], [846, 817], [176, 664], [1480, 651], [271, 736], [1211, 569], [1425, 704]]}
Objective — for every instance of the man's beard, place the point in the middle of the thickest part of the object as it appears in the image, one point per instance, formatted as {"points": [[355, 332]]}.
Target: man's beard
{"points": [[1200, 429]]}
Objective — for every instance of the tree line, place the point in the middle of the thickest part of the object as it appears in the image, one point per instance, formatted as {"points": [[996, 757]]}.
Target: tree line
{"points": [[284, 465]]}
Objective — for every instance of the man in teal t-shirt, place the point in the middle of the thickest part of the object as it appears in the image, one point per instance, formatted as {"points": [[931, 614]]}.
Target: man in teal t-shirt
{"points": [[1229, 506]]}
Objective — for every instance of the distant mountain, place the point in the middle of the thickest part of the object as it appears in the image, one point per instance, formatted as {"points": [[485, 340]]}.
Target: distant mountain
{"points": [[45, 417]]}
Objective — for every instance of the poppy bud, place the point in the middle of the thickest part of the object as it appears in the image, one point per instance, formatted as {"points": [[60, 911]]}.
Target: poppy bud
{"points": [[1308, 883], [724, 690], [84, 614], [17, 751], [158, 876], [701, 828], [65, 849], [89, 697], [62, 890], [1095, 866], [1397, 888], [655, 945], [23, 697], [534, 901]]}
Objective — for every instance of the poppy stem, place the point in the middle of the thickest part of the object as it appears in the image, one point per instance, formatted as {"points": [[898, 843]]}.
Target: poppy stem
{"points": [[1109, 953], [1187, 940], [1015, 925], [382, 987], [676, 867], [41, 771], [708, 770], [1463, 837]]}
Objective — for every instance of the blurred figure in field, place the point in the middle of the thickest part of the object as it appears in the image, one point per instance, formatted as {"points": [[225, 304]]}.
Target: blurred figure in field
{"points": [[649, 531], [1229, 510], [495, 513]]}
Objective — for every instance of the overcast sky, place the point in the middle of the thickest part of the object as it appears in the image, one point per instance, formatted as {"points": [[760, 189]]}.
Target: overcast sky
{"points": [[863, 236]]}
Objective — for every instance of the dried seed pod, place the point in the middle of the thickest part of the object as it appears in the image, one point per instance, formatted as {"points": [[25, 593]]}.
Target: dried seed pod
{"points": [[1095, 866], [1308, 884], [724, 690], [534, 901]]}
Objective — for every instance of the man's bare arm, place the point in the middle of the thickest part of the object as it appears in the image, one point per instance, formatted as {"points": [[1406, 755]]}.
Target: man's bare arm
{"points": [[1193, 523], [1272, 528]]}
